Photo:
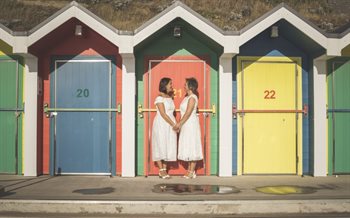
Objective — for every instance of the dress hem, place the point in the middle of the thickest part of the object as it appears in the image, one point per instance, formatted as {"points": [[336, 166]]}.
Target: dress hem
{"points": [[164, 160], [183, 159]]}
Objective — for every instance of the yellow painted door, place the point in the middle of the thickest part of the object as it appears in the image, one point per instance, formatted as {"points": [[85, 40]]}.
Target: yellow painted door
{"points": [[269, 126]]}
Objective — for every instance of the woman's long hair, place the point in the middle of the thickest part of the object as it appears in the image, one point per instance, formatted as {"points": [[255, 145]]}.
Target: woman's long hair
{"points": [[192, 85], [162, 86]]}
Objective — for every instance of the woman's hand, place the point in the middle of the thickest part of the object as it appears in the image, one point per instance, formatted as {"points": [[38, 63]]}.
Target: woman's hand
{"points": [[177, 127]]}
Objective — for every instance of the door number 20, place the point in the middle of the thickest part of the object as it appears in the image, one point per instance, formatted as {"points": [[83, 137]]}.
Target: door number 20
{"points": [[82, 93], [269, 94]]}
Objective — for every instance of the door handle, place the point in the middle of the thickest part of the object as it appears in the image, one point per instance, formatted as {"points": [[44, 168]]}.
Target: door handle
{"points": [[140, 110], [53, 111], [242, 112], [211, 110]]}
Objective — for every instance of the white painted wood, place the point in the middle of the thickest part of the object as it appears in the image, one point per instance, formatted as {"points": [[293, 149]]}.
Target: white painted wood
{"points": [[320, 118], [128, 115], [225, 115], [333, 47], [30, 116], [6, 37]]}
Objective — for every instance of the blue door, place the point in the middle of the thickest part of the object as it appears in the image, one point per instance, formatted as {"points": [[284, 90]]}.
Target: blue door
{"points": [[82, 137]]}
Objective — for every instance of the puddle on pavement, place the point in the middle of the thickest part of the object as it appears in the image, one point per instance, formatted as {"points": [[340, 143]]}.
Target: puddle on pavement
{"points": [[188, 189], [94, 191], [285, 190]]}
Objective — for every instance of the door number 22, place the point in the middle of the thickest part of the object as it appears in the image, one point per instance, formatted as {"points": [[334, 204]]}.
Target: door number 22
{"points": [[269, 94]]}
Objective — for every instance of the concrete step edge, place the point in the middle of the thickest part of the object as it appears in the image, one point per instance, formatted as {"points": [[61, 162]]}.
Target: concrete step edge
{"points": [[177, 207]]}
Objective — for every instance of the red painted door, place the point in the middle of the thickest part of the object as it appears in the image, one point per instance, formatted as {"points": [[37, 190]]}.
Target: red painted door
{"points": [[178, 70]]}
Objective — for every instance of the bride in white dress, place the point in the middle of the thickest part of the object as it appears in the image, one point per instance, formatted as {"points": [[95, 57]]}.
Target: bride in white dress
{"points": [[164, 138], [190, 146]]}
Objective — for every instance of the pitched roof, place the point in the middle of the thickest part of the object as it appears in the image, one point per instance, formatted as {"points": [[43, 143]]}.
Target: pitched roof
{"points": [[73, 10], [230, 40]]}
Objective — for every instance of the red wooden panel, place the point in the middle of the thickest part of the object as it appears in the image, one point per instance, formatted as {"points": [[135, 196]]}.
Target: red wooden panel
{"points": [[178, 69], [119, 117]]}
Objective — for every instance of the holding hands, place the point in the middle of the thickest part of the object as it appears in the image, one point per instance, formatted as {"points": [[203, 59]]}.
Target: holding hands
{"points": [[177, 127]]}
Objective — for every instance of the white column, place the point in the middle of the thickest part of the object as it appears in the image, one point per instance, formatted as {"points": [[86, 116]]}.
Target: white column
{"points": [[30, 115], [225, 115], [128, 115], [320, 118]]}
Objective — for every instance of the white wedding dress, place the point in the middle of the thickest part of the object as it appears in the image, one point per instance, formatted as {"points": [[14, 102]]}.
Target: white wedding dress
{"points": [[190, 146], [164, 138]]}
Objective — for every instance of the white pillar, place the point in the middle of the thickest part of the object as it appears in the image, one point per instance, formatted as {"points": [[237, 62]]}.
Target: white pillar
{"points": [[225, 115], [128, 115], [30, 115], [320, 117]]}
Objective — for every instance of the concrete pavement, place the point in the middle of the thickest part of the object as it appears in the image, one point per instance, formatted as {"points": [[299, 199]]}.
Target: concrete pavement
{"points": [[151, 195]]}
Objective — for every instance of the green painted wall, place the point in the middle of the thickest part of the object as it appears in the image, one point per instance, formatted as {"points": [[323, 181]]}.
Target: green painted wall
{"points": [[11, 92], [164, 44], [346, 51], [5, 48], [338, 81]]}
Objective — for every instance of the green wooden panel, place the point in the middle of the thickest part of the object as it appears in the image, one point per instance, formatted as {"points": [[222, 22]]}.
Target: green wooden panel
{"points": [[164, 44], [8, 87], [341, 89], [140, 129], [8, 121], [214, 124], [339, 121], [342, 143], [7, 142], [330, 119]]}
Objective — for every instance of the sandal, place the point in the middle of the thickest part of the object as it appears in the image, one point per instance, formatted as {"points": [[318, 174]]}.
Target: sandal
{"points": [[190, 175], [166, 176]]}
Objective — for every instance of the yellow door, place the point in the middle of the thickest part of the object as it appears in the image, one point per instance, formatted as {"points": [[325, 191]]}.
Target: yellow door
{"points": [[269, 122]]}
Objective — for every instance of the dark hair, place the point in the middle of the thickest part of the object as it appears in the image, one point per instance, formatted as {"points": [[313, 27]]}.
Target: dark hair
{"points": [[163, 83], [192, 85]]}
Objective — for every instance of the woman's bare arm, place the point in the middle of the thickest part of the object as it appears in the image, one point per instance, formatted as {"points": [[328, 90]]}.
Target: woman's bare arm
{"points": [[161, 109], [189, 109]]}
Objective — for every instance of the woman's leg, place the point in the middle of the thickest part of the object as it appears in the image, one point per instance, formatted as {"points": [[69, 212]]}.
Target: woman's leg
{"points": [[164, 165], [192, 166], [162, 172], [190, 174], [160, 164]]}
